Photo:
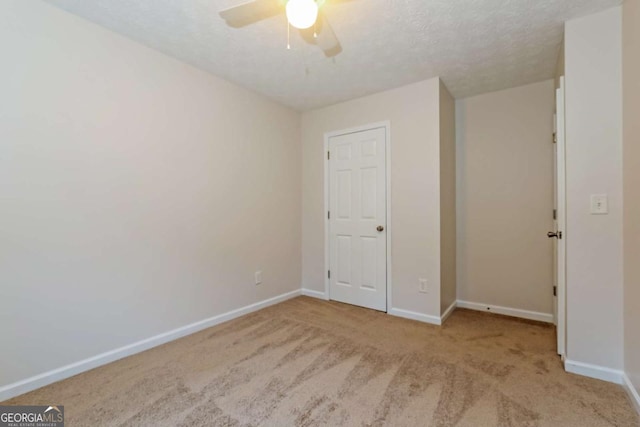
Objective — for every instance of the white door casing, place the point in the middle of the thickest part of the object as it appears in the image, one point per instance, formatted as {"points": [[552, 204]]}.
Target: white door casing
{"points": [[357, 217], [560, 221], [555, 221]]}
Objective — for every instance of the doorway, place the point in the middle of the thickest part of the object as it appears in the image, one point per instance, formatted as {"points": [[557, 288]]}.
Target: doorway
{"points": [[357, 216]]}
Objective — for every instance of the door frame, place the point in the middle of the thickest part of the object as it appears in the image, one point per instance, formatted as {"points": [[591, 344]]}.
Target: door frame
{"points": [[327, 250], [561, 221]]}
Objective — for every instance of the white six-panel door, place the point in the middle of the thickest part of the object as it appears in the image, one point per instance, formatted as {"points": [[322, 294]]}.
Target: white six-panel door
{"points": [[357, 219]]}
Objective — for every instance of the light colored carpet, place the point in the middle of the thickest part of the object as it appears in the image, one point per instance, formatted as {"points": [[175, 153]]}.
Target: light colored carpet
{"points": [[308, 362]]}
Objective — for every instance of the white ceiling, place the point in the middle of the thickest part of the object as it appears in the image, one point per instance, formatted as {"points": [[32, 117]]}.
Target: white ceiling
{"points": [[476, 46]]}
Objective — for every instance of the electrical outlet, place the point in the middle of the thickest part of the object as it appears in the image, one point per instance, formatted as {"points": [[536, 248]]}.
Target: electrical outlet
{"points": [[424, 286], [258, 277]]}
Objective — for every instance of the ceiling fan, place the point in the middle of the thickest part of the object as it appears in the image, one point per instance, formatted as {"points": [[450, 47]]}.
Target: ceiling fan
{"points": [[305, 15]]}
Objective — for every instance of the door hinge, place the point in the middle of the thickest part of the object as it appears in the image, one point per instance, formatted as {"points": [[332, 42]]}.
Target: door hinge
{"points": [[329, 274], [555, 214], [328, 214], [555, 137], [328, 155], [555, 291]]}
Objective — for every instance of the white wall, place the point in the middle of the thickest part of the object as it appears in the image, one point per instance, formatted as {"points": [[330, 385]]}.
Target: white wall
{"points": [[594, 166], [505, 198], [448, 293], [631, 71], [415, 207], [559, 66], [137, 193]]}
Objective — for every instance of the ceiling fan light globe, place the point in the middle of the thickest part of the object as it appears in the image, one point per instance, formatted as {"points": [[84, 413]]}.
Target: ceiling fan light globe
{"points": [[302, 14]]}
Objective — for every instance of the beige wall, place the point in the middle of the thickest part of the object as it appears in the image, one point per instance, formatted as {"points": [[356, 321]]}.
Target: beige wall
{"points": [[505, 198], [138, 194], [593, 62], [415, 143], [631, 166], [447, 198]]}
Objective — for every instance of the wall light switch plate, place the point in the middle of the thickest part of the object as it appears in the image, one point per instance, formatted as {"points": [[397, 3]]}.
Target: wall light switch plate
{"points": [[258, 277], [424, 286], [599, 204]]}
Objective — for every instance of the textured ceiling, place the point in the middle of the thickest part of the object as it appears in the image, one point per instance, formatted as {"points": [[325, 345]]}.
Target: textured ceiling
{"points": [[475, 46]]}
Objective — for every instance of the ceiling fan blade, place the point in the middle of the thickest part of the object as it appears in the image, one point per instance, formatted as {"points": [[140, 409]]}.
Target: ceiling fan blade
{"points": [[334, 1], [250, 12], [322, 3], [326, 39]]}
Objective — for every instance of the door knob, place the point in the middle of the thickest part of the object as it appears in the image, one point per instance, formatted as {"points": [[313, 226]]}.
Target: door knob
{"points": [[557, 235], [380, 229]]}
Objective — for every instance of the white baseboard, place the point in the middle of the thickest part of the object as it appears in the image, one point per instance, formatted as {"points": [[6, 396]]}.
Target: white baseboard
{"points": [[594, 371], [631, 390], [448, 312], [314, 294], [46, 378], [434, 320], [513, 312]]}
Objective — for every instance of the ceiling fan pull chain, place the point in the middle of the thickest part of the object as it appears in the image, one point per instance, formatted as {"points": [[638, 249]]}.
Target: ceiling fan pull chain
{"points": [[315, 29], [288, 35]]}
